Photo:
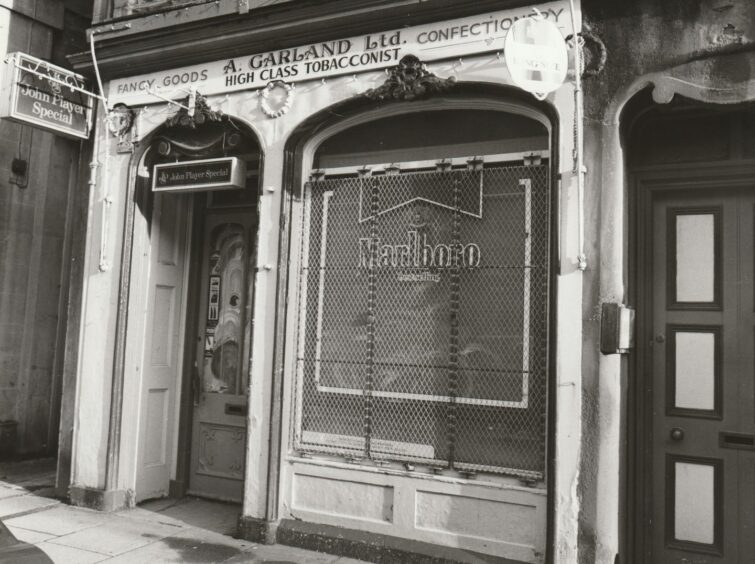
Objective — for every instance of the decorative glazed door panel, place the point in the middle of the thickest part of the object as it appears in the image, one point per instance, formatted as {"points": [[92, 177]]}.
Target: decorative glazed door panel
{"points": [[703, 421], [221, 366], [162, 350]]}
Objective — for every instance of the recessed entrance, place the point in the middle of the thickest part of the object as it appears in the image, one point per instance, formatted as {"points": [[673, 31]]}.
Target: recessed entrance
{"points": [[220, 368], [193, 414], [693, 405]]}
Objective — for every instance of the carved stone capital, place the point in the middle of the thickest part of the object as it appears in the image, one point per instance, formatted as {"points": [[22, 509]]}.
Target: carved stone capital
{"points": [[410, 80]]}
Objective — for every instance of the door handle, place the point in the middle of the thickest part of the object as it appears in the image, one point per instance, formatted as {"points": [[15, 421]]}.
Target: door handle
{"points": [[677, 434]]}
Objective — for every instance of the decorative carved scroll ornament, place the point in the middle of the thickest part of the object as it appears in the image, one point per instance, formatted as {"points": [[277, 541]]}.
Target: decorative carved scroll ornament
{"points": [[410, 80], [203, 114]]}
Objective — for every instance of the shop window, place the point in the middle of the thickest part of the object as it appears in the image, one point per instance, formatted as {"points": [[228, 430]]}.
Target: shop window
{"points": [[423, 300]]}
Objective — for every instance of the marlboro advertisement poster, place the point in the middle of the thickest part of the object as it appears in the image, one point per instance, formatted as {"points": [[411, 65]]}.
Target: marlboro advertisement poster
{"points": [[421, 290]]}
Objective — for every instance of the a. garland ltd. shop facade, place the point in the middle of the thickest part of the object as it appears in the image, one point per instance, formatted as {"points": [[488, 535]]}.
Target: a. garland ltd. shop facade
{"points": [[340, 283]]}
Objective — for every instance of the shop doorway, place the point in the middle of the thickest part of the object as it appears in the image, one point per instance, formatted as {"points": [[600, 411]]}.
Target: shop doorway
{"points": [[192, 295], [198, 332], [694, 408], [220, 369], [703, 449]]}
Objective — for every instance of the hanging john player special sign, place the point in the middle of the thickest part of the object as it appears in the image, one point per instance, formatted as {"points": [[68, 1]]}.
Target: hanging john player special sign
{"points": [[38, 93], [226, 173]]}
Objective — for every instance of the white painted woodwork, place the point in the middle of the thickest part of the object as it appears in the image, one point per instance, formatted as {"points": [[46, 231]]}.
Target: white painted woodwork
{"points": [[163, 343], [502, 517]]}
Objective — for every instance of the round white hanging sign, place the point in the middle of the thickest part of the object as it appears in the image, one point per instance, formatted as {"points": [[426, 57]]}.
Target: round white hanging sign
{"points": [[536, 55]]}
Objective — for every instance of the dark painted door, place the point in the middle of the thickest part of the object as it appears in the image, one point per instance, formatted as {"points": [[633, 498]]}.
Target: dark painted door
{"points": [[703, 422]]}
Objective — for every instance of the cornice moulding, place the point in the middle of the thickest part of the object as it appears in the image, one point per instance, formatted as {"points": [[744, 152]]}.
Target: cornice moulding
{"points": [[212, 39]]}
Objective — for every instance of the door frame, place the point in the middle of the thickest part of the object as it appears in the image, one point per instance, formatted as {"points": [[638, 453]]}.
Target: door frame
{"points": [[180, 485], [644, 183], [122, 449]]}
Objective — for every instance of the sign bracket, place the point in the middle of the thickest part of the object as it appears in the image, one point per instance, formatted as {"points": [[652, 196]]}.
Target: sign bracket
{"points": [[192, 99], [47, 96], [68, 85]]}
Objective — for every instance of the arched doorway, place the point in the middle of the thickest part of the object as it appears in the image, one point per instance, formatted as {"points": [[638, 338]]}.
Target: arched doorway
{"points": [[195, 260], [692, 417]]}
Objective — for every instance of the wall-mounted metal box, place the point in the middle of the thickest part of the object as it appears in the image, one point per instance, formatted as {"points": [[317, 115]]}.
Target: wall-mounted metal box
{"points": [[616, 329]]}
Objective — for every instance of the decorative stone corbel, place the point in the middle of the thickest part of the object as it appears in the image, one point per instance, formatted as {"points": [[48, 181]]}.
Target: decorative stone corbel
{"points": [[120, 123]]}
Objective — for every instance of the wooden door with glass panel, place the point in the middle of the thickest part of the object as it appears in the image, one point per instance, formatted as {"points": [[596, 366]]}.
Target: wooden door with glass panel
{"points": [[221, 363], [703, 421]]}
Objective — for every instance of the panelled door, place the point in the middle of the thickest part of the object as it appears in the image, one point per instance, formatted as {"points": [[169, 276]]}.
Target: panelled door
{"points": [[162, 350], [221, 366], [702, 342]]}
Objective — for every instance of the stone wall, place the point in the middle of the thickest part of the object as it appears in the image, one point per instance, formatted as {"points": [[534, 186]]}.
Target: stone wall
{"points": [[655, 51]]}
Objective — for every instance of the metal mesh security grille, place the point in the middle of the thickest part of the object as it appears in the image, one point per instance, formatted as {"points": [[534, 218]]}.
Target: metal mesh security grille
{"points": [[423, 314]]}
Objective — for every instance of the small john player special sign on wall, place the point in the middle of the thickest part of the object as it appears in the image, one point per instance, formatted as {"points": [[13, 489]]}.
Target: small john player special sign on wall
{"points": [[38, 93], [226, 173]]}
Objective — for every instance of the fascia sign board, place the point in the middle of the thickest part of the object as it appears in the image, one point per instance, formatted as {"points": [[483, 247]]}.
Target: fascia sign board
{"points": [[436, 41]]}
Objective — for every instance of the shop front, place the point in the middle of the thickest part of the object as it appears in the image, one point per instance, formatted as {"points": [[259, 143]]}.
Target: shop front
{"points": [[333, 284]]}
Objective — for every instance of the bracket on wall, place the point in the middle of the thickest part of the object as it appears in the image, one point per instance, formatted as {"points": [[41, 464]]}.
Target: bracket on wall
{"points": [[409, 80], [593, 51]]}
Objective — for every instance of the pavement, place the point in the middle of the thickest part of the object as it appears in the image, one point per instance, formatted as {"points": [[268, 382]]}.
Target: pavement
{"points": [[167, 530]]}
